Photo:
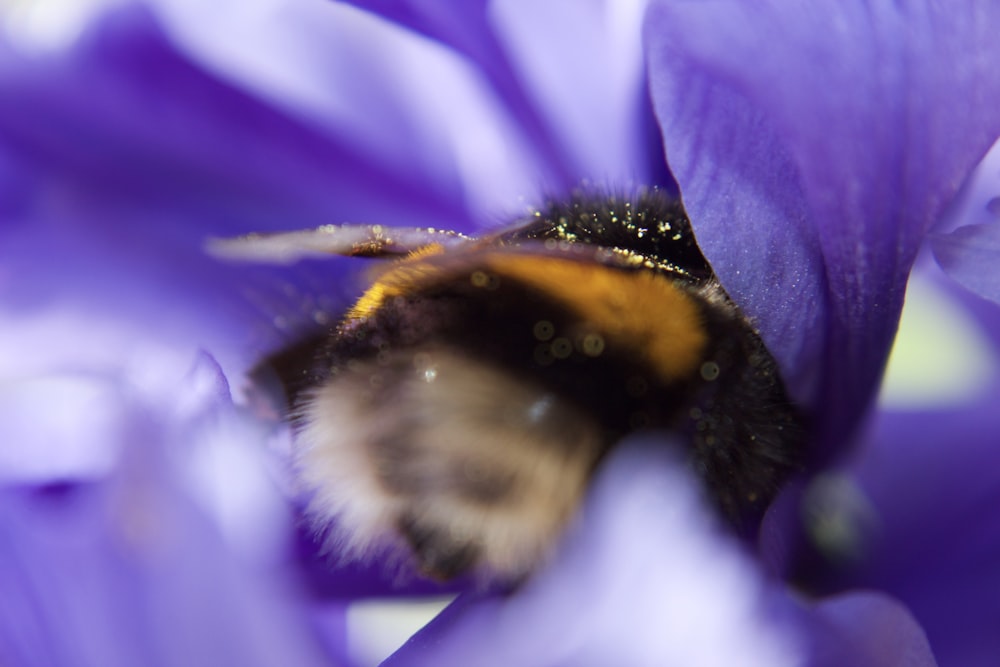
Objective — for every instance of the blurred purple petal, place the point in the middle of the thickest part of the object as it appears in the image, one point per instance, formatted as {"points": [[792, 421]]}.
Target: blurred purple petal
{"points": [[164, 561], [125, 96], [663, 586], [866, 630], [366, 81], [978, 202], [58, 426], [466, 27], [933, 482], [646, 578], [814, 147], [968, 246], [570, 73], [463, 26], [971, 255], [329, 578]]}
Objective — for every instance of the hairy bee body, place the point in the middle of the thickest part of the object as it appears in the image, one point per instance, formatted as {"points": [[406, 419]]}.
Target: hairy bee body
{"points": [[461, 406]]}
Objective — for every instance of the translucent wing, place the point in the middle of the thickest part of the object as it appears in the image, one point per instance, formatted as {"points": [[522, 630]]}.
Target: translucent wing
{"points": [[345, 240]]}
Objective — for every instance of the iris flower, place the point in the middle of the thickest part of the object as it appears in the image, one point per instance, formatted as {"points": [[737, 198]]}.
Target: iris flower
{"points": [[146, 518]]}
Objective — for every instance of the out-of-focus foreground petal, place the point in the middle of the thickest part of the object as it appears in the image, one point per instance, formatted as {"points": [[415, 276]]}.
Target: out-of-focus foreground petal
{"points": [[178, 556], [648, 578], [645, 578], [814, 146]]}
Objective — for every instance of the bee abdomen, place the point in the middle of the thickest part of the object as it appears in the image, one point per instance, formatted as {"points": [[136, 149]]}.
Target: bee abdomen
{"points": [[474, 469]]}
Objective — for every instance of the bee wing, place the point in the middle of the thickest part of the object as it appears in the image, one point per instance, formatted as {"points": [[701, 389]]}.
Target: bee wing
{"points": [[346, 240]]}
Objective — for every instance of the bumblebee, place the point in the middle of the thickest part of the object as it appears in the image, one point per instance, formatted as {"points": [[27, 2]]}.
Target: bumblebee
{"points": [[460, 407]]}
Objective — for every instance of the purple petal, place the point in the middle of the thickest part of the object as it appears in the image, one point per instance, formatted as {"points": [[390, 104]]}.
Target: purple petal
{"points": [[570, 73], [164, 561], [72, 441], [125, 96], [933, 481], [330, 579], [968, 248], [971, 255], [911, 514], [408, 102], [866, 630], [646, 578], [663, 586], [814, 147], [463, 26]]}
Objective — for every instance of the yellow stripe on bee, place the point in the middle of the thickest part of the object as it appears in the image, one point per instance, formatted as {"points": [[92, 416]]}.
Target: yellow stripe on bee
{"points": [[403, 277], [641, 310], [638, 310]]}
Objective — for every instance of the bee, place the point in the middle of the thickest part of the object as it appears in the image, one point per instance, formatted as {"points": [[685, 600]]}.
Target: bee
{"points": [[460, 407]]}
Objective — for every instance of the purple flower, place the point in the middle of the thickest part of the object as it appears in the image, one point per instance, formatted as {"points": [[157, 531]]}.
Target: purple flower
{"points": [[145, 516]]}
